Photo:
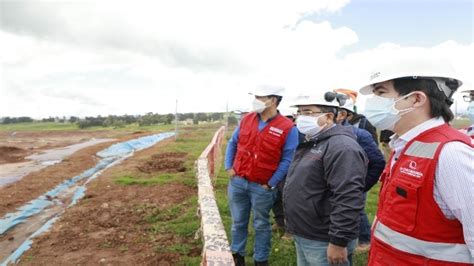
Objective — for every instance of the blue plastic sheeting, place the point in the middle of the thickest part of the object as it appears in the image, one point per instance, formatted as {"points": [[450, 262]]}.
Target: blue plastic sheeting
{"points": [[37, 205], [121, 149], [28, 242], [112, 155]]}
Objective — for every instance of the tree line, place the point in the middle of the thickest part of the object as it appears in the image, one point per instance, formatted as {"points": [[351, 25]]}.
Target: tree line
{"points": [[122, 120]]}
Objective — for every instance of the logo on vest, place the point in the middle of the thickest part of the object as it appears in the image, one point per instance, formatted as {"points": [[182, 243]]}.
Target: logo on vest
{"points": [[316, 154], [276, 131], [411, 170]]}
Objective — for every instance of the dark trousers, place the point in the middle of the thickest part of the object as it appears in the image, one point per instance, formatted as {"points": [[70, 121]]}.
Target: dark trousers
{"points": [[364, 233], [277, 208]]}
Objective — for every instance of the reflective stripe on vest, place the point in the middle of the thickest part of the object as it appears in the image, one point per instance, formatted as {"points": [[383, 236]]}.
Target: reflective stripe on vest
{"points": [[432, 250], [422, 149]]}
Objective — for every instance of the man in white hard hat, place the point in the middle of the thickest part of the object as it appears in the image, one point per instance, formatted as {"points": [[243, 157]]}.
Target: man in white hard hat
{"points": [[469, 97], [257, 159], [323, 191], [425, 214]]}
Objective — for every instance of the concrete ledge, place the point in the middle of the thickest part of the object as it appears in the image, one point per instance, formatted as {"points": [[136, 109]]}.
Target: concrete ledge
{"points": [[216, 250]]}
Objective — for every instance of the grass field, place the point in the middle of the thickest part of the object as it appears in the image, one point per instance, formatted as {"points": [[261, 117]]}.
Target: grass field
{"points": [[52, 126]]}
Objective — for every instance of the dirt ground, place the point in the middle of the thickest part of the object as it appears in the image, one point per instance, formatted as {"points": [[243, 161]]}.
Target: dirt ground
{"points": [[168, 161], [36, 183], [32, 142], [108, 226]]}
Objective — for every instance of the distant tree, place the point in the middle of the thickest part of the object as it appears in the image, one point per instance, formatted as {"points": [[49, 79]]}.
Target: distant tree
{"points": [[232, 120], [49, 119], [217, 116], [7, 120], [201, 117], [169, 118], [24, 119], [73, 119], [185, 116]]}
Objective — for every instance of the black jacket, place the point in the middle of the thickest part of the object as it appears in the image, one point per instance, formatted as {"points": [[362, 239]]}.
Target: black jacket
{"points": [[324, 187], [365, 124]]}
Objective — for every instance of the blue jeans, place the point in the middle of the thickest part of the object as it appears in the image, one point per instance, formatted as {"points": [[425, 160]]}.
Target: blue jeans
{"points": [[364, 231], [313, 252], [245, 196]]}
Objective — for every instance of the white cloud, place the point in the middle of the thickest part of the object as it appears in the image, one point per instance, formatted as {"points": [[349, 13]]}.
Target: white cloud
{"points": [[116, 57]]}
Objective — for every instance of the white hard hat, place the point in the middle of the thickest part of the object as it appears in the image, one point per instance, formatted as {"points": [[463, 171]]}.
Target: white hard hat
{"points": [[348, 105], [313, 100], [418, 65], [266, 90]]}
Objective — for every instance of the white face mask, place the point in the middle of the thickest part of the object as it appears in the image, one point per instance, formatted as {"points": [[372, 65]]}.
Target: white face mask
{"points": [[381, 111], [470, 111], [258, 106], [308, 125]]}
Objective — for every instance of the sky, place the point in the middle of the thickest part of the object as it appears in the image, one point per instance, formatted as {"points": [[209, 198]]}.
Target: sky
{"points": [[88, 58]]}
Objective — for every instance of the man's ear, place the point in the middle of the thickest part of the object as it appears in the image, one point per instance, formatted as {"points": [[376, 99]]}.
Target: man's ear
{"points": [[331, 116], [420, 99]]}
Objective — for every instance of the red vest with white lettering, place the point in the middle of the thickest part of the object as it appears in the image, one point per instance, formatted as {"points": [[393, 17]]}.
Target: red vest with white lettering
{"points": [[259, 152], [410, 228]]}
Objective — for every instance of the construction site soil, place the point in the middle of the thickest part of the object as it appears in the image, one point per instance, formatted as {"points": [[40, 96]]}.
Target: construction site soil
{"points": [[107, 226]]}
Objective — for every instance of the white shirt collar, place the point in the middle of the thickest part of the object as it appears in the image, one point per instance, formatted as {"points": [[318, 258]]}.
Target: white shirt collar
{"points": [[412, 133]]}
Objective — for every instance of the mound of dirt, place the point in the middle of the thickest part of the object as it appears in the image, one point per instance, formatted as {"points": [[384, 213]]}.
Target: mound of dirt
{"points": [[166, 161], [10, 154]]}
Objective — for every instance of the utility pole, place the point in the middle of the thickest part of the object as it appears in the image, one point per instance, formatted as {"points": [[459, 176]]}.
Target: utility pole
{"points": [[226, 117], [176, 121]]}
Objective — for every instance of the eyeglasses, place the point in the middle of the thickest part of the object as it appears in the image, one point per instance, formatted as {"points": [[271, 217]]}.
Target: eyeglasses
{"points": [[468, 98], [309, 113]]}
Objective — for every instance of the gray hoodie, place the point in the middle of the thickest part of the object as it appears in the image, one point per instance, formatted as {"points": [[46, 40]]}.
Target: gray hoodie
{"points": [[323, 193]]}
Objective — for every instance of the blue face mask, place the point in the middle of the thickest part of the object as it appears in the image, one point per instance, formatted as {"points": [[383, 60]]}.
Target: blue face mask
{"points": [[470, 111], [381, 111], [309, 125]]}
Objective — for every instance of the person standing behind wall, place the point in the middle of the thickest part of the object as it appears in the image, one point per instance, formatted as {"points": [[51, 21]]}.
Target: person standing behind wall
{"points": [[257, 159], [374, 155], [356, 119], [425, 214], [470, 113], [384, 141], [323, 197]]}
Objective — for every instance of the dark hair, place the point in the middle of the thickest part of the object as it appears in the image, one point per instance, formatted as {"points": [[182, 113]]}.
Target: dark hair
{"points": [[279, 98], [439, 103], [329, 109]]}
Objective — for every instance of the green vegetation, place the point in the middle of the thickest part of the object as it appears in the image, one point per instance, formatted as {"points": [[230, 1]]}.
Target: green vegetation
{"points": [[120, 121], [159, 179], [52, 126], [461, 123], [37, 126], [180, 220]]}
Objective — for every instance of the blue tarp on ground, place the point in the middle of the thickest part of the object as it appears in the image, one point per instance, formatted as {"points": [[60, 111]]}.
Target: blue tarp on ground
{"points": [[110, 156]]}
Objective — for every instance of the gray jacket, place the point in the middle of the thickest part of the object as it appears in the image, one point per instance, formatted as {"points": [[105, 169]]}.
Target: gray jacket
{"points": [[323, 193]]}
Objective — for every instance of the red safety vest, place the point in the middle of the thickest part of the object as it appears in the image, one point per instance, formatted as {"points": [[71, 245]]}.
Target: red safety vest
{"points": [[259, 152], [410, 228]]}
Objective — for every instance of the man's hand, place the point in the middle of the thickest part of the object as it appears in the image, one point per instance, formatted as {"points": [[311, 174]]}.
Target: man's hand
{"points": [[231, 172], [267, 187], [336, 254]]}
